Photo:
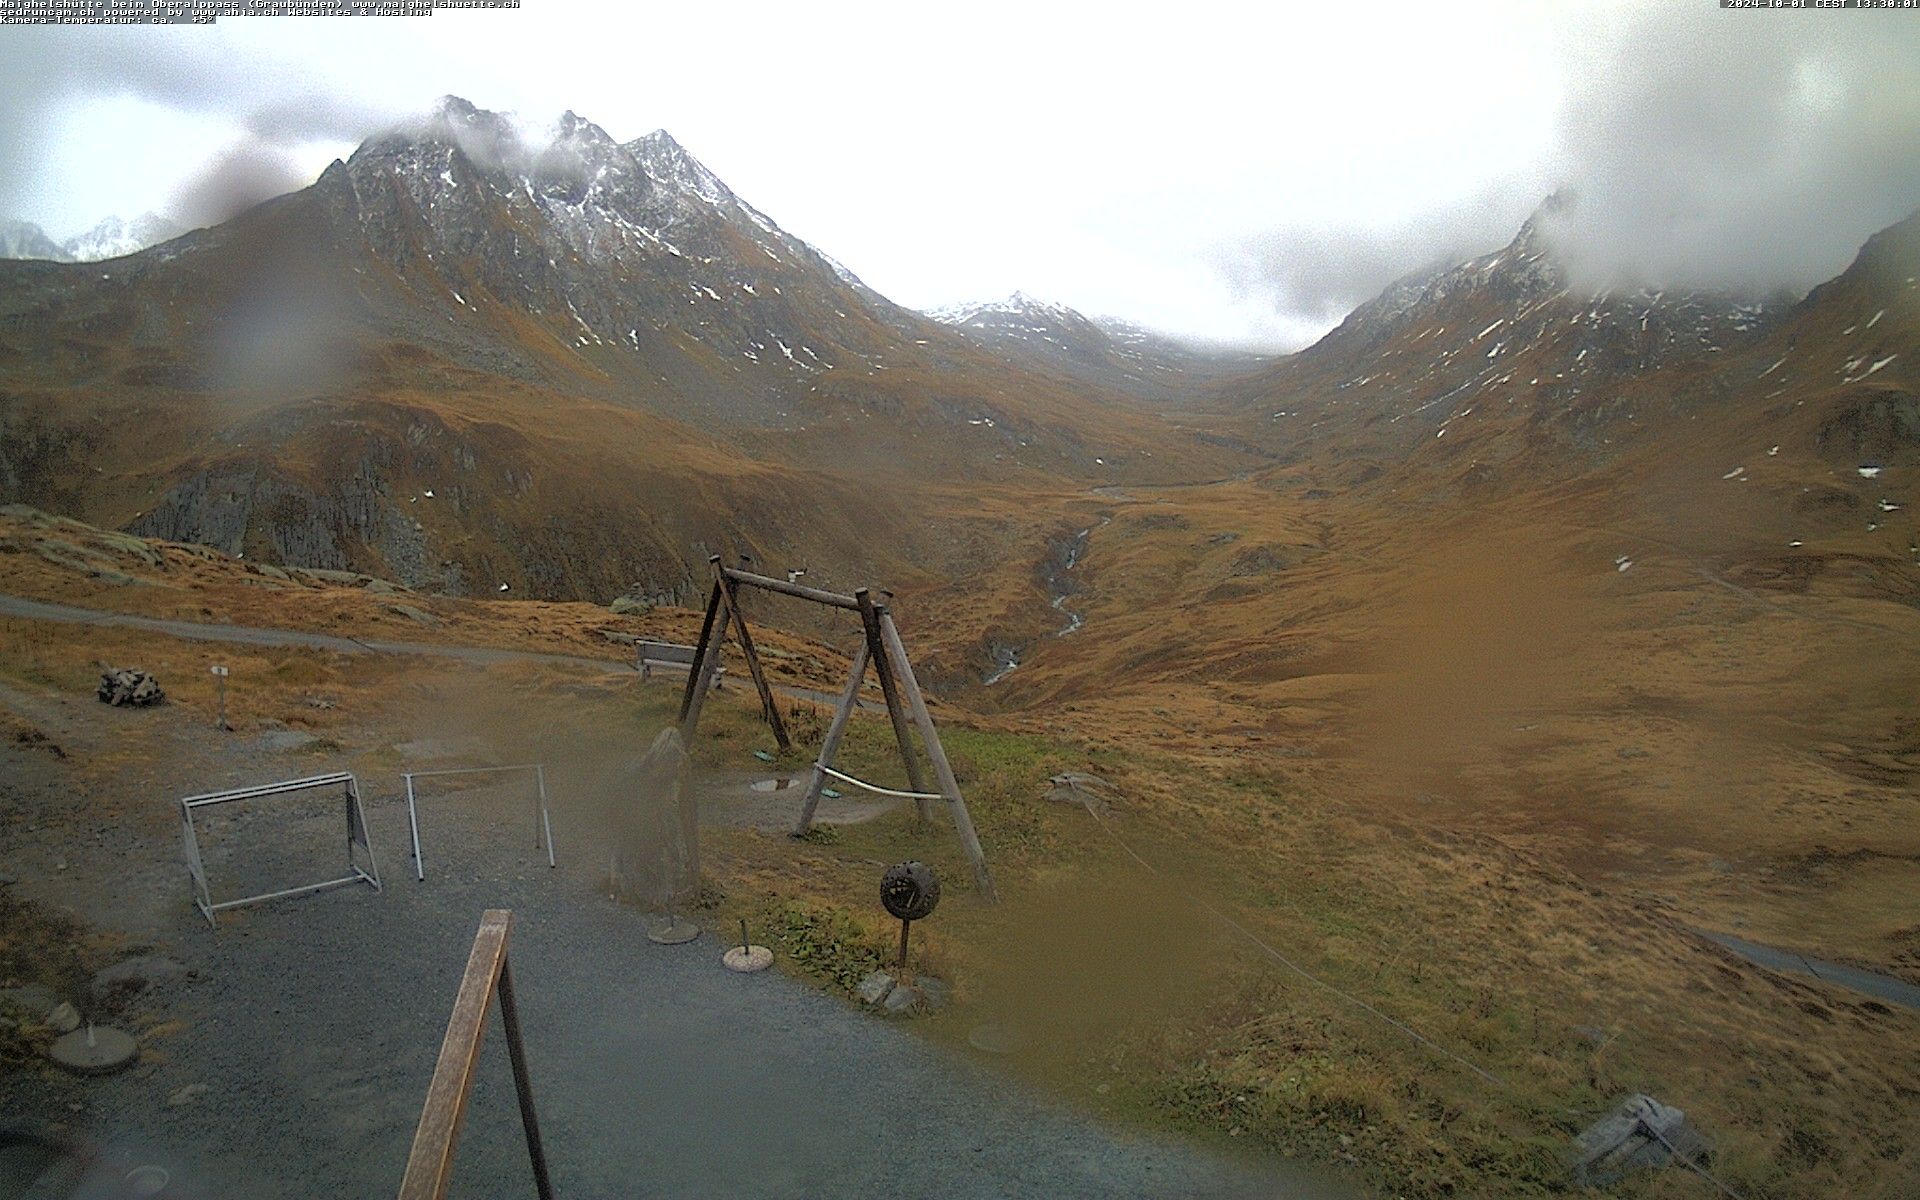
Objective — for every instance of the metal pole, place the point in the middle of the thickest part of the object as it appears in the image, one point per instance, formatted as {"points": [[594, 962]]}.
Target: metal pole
{"points": [[522, 1082], [546, 821], [413, 823], [900, 972]]}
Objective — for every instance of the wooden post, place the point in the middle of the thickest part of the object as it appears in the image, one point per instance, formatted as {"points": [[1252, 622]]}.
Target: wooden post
{"points": [[700, 674], [949, 786], [849, 700], [700, 648], [730, 596], [522, 1080], [430, 1161], [896, 712]]}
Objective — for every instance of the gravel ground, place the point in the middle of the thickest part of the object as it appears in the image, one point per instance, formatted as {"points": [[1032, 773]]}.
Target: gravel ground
{"points": [[297, 1056]]}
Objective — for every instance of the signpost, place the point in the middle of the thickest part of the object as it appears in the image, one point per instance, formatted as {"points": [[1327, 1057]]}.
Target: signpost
{"points": [[220, 673]]}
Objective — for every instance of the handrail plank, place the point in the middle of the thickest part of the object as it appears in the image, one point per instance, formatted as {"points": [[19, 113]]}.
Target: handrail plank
{"points": [[430, 1162]]}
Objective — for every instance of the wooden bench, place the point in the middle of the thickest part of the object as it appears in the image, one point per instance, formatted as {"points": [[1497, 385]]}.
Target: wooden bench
{"points": [[648, 655]]}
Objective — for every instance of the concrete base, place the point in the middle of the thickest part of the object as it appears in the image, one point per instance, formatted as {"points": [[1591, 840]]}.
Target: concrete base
{"points": [[673, 932], [747, 959], [98, 1050]]}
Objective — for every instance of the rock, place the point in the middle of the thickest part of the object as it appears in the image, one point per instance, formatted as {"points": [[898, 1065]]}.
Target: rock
{"points": [[656, 830], [904, 1000], [617, 637], [126, 686], [875, 987], [186, 1095], [628, 606], [935, 993], [287, 740], [1080, 790], [63, 1018], [131, 976], [417, 615], [7, 880], [1631, 1139]]}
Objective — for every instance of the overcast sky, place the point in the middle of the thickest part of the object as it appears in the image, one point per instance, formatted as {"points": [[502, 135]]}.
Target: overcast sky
{"points": [[1244, 173]]}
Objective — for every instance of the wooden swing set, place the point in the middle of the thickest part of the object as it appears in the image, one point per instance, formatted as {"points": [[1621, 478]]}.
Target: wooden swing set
{"points": [[880, 648]]}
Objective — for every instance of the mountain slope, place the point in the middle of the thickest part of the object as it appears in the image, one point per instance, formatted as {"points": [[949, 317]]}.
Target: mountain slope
{"points": [[1114, 355], [609, 362]]}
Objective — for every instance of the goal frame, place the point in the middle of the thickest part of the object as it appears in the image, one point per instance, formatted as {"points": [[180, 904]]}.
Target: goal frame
{"points": [[359, 842]]}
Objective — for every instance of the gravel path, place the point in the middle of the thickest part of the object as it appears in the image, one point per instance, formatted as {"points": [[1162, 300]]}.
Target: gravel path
{"points": [[260, 635], [300, 1050]]}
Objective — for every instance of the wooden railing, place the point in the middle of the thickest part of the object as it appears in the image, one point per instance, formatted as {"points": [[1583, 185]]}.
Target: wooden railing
{"points": [[430, 1163]]}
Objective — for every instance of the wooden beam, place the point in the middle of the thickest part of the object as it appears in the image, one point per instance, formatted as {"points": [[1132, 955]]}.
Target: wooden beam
{"points": [[896, 711], [730, 596], [849, 700], [700, 648], [522, 1080], [797, 590], [942, 769], [430, 1162], [703, 675]]}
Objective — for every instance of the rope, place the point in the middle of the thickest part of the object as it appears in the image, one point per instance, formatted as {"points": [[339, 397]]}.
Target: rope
{"points": [[874, 787], [1299, 970]]}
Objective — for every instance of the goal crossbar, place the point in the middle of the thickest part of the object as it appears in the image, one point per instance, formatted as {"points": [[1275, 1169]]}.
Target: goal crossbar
{"points": [[358, 842], [543, 823]]}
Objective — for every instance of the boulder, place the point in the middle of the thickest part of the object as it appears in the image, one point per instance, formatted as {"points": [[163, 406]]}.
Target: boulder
{"points": [[1080, 790], [125, 686], [1634, 1137], [628, 606]]}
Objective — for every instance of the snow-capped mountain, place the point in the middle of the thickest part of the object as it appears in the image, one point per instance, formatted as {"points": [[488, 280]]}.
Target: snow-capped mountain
{"points": [[24, 239], [116, 238], [111, 238], [1488, 336], [1103, 350], [567, 338]]}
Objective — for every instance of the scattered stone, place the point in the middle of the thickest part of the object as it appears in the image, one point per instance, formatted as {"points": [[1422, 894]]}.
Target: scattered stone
{"points": [[131, 976], [186, 1095], [885, 992], [95, 1050], [122, 686], [1634, 1137], [874, 988], [63, 1018], [287, 740], [1080, 790], [904, 1000]]}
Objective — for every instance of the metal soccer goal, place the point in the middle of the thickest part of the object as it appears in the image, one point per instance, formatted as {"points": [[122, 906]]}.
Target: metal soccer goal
{"points": [[542, 823], [359, 846]]}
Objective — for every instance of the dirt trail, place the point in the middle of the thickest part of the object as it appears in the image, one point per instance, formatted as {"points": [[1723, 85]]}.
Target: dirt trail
{"points": [[260, 635]]}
